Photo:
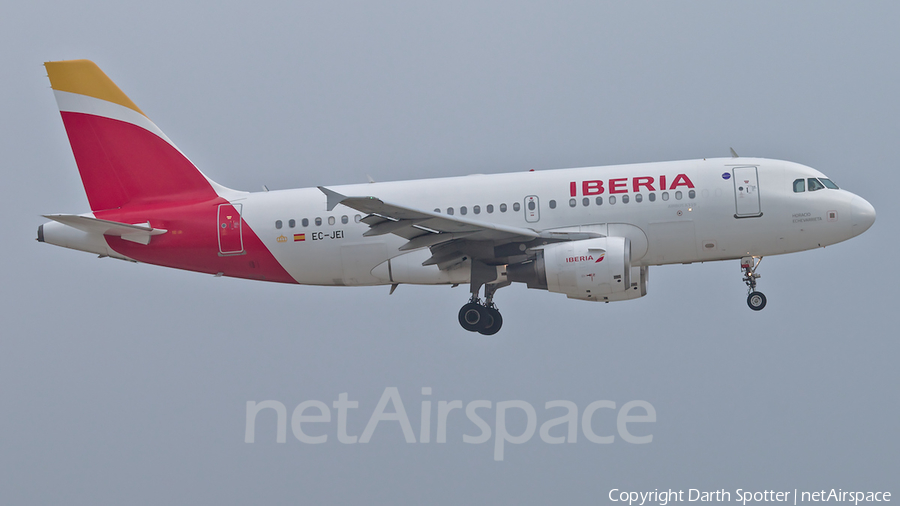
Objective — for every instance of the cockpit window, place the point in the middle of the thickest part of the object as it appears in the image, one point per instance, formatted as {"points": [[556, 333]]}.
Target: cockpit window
{"points": [[814, 184]]}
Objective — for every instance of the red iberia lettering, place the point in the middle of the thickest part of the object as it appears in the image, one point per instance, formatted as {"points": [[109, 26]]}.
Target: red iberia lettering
{"points": [[681, 180], [591, 187], [646, 182], [619, 185]]}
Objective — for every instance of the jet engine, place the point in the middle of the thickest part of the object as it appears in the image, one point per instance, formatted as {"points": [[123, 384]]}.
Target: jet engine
{"points": [[592, 269]]}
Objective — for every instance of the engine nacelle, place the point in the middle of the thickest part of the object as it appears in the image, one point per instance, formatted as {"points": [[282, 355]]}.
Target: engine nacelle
{"points": [[639, 278], [592, 269]]}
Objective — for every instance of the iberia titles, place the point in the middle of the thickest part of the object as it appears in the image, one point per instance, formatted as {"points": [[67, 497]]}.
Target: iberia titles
{"points": [[620, 185]]}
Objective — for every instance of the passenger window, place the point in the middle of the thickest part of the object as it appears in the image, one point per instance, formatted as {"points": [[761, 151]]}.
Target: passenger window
{"points": [[665, 195], [292, 223], [612, 200], [829, 183], [437, 210], [318, 222], [516, 206], [585, 202], [572, 203], [357, 218], [450, 211], [692, 194], [552, 204], [652, 197], [624, 199], [344, 219], [331, 220], [490, 208], [638, 198], [502, 208], [531, 205], [599, 201], [304, 222], [799, 186], [476, 209], [463, 210], [278, 224], [814, 184], [678, 195]]}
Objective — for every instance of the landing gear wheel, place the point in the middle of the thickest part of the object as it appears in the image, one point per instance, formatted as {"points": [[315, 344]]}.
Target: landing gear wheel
{"points": [[473, 317], [756, 301], [478, 316], [494, 321]]}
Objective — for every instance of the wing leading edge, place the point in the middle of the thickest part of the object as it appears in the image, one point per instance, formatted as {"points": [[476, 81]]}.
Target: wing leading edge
{"points": [[450, 238]]}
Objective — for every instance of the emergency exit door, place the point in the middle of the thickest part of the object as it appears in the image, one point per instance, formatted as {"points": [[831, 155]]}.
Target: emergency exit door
{"points": [[231, 241], [532, 209]]}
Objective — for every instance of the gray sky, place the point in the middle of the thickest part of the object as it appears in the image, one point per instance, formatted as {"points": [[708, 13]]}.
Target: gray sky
{"points": [[127, 383]]}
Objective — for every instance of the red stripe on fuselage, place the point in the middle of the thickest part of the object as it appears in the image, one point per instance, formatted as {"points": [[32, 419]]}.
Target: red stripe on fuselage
{"points": [[192, 241]]}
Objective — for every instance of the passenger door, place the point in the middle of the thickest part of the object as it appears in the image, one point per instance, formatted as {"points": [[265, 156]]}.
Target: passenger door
{"points": [[230, 239], [746, 192]]}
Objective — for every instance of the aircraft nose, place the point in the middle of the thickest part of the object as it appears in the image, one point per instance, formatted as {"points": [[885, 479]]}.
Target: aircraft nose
{"points": [[862, 215]]}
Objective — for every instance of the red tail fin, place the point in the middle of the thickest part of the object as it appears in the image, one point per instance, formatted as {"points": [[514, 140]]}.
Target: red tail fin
{"points": [[124, 159]]}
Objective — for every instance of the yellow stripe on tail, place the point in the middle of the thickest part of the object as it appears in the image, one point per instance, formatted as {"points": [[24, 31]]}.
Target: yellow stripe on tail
{"points": [[84, 77]]}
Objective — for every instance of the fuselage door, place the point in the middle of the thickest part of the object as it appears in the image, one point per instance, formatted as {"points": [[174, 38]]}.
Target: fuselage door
{"points": [[746, 192], [532, 209], [230, 240]]}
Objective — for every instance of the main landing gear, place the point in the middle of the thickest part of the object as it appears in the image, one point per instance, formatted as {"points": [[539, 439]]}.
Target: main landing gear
{"points": [[483, 319], [756, 300], [476, 316]]}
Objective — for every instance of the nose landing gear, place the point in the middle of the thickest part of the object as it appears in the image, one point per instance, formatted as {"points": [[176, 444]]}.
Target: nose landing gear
{"points": [[756, 300]]}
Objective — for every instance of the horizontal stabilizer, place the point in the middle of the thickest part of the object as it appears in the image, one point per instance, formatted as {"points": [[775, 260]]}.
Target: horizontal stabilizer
{"points": [[139, 233]]}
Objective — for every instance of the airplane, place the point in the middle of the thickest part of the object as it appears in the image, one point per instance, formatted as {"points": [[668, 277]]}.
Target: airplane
{"points": [[590, 233]]}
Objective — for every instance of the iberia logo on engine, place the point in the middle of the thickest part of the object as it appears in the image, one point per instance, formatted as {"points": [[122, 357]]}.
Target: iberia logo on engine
{"points": [[585, 258]]}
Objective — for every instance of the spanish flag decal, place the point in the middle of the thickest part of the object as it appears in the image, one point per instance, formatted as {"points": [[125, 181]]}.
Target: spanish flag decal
{"points": [[299, 237]]}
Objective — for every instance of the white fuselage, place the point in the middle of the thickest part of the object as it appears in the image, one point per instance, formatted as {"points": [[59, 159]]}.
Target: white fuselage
{"points": [[716, 217]]}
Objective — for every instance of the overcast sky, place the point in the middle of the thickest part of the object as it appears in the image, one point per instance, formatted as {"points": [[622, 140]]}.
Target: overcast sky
{"points": [[127, 384]]}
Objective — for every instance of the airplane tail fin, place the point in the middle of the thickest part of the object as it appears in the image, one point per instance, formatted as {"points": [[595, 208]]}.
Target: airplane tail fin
{"points": [[124, 159]]}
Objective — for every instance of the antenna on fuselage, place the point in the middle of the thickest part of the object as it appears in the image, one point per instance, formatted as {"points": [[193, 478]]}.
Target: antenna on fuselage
{"points": [[733, 153]]}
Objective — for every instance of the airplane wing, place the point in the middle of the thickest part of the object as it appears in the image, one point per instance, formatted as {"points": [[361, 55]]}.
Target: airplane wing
{"points": [[450, 238], [411, 223]]}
